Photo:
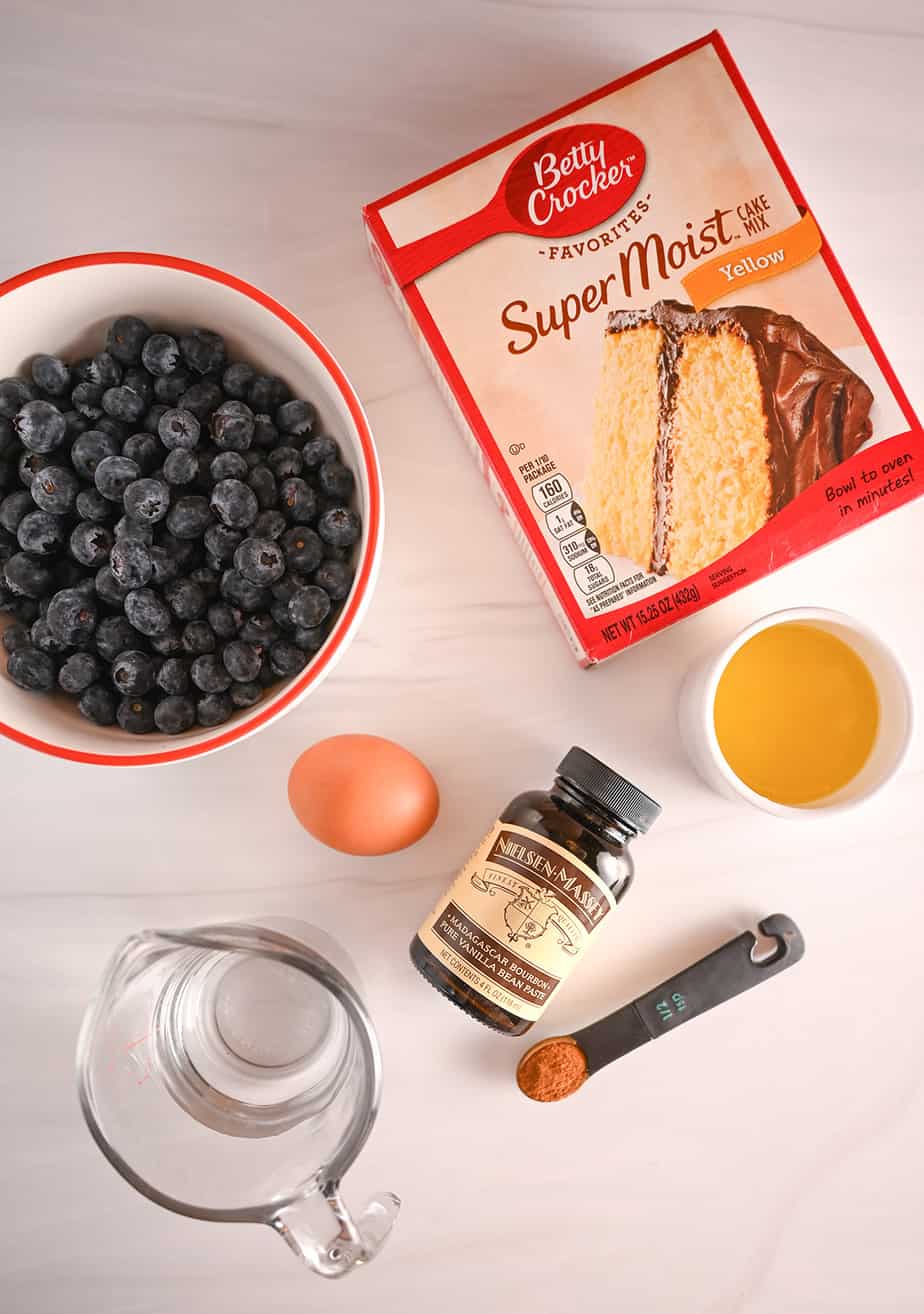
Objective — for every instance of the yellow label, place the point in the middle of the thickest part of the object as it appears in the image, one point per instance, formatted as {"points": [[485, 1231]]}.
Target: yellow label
{"points": [[517, 919], [753, 263]]}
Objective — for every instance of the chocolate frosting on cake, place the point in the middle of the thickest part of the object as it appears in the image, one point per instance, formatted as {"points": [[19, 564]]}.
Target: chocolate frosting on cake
{"points": [[817, 409]]}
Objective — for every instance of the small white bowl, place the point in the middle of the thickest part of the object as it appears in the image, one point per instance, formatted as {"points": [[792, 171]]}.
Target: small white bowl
{"points": [[65, 307], [696, 714]]}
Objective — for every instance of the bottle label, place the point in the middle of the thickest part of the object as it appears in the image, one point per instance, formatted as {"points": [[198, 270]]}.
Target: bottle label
{"points": [[517, 919]]}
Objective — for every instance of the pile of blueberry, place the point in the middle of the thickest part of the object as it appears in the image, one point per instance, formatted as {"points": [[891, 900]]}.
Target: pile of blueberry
{"points": [[175, 535]]}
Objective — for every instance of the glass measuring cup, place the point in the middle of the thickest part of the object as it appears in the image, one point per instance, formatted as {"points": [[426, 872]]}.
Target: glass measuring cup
{"points": [[232, 1073]]}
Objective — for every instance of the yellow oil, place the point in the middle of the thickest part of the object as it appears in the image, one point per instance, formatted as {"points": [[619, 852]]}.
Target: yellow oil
{"points": [[796, 713]]}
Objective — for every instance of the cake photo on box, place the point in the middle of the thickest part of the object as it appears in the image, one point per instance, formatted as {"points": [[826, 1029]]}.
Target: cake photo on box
{"points": [[707, 423]]}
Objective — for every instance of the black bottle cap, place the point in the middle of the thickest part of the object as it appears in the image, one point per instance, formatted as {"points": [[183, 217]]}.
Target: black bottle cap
{"points": [[609, 789]]}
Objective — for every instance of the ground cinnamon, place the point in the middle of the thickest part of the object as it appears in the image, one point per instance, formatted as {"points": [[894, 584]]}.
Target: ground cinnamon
{"points": [[552, 1070]]}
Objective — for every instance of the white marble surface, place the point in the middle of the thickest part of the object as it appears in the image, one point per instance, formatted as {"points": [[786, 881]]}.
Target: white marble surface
{"points": [[768, 1158]]}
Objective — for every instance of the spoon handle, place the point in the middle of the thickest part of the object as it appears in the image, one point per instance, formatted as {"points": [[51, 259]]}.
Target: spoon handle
{"points": [[721, 975], [415, 259]]}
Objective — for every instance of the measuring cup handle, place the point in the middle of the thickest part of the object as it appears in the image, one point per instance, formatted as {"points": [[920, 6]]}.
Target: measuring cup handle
{"points": [[321, 1230]]}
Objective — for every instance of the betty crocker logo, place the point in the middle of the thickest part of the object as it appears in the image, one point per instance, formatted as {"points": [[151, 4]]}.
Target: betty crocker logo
{"points": [[568, 181], [574, 179]]}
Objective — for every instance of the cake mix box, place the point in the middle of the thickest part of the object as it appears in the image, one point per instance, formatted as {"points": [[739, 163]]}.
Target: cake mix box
{"points": [[662, 370]]}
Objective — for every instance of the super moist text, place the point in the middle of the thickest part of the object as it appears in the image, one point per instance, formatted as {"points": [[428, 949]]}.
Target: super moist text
{"points": [[639, 262]]}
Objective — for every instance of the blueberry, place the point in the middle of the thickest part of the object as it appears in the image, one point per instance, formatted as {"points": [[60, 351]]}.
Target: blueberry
{"points": [[296, 417], [139, 380], [224, 620], [340, 526], [303, 548], [237, 379], [267, 393], [71, 616], [208, 580], [308, 607], [174, 714], [269, 524], [144, 450], [309, 640], [51, 375], [15, 636], [89, 449], [79, 671], [234, 503], [98, 705], [228, 465], [298, 501], [202, 398], [220, 542], [186, 599], [114, 428], [240, 592], [108, 589], [91, 505], [25, 609], [115, 635], [30, 669], [90, 543], [286, 659], [104, 370], [42, 638], [260, 560], [189, 517], [336, 480], [209, 674], [317, 451], [285, 462], [181, 466], [148, 500], [242, 661], [147, 612], [160, 354], [260, 628], [168, 644], [86, 399], [113, 475], [173, 676], [245, 695], [133, 672], [202, 350], [41, 533], [124, 403], [55, 489], [280, 614], [127, 337], [265, 433], [14, 395], [13, 507], [9, 442], [335, 578], [178, 428], [197, 638], [41, 426], [130, 563], [182, 550], [29, 465], [136, 715], [169, 388], [253, 458], [165, 566], [129, 527], [232, 426], [214, 709]]}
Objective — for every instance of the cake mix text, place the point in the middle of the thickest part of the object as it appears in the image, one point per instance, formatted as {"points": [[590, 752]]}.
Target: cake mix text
{"points": [[639, 264]]}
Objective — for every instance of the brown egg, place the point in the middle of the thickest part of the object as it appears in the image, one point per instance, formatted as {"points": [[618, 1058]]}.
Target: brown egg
{"points": [[362, 794]]}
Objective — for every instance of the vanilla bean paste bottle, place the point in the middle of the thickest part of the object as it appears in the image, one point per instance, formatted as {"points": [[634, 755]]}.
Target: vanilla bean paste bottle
{"points": [[523, 909]]}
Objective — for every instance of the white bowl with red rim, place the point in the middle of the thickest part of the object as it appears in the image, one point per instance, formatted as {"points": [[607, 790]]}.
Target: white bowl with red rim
{"points": [[64, 308]]}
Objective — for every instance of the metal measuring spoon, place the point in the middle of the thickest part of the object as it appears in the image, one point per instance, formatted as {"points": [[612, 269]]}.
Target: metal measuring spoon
{"points": [[559, 1065]]}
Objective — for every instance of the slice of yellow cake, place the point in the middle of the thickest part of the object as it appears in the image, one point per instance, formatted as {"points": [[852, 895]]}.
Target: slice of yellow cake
{"points": [[707, 423]]}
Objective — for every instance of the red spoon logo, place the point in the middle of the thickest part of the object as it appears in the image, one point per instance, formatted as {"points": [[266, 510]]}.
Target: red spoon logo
{"points": [[566, 182]]}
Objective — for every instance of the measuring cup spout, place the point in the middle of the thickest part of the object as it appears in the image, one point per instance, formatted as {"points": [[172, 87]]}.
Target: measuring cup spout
{"points": [[321, 1230]]}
